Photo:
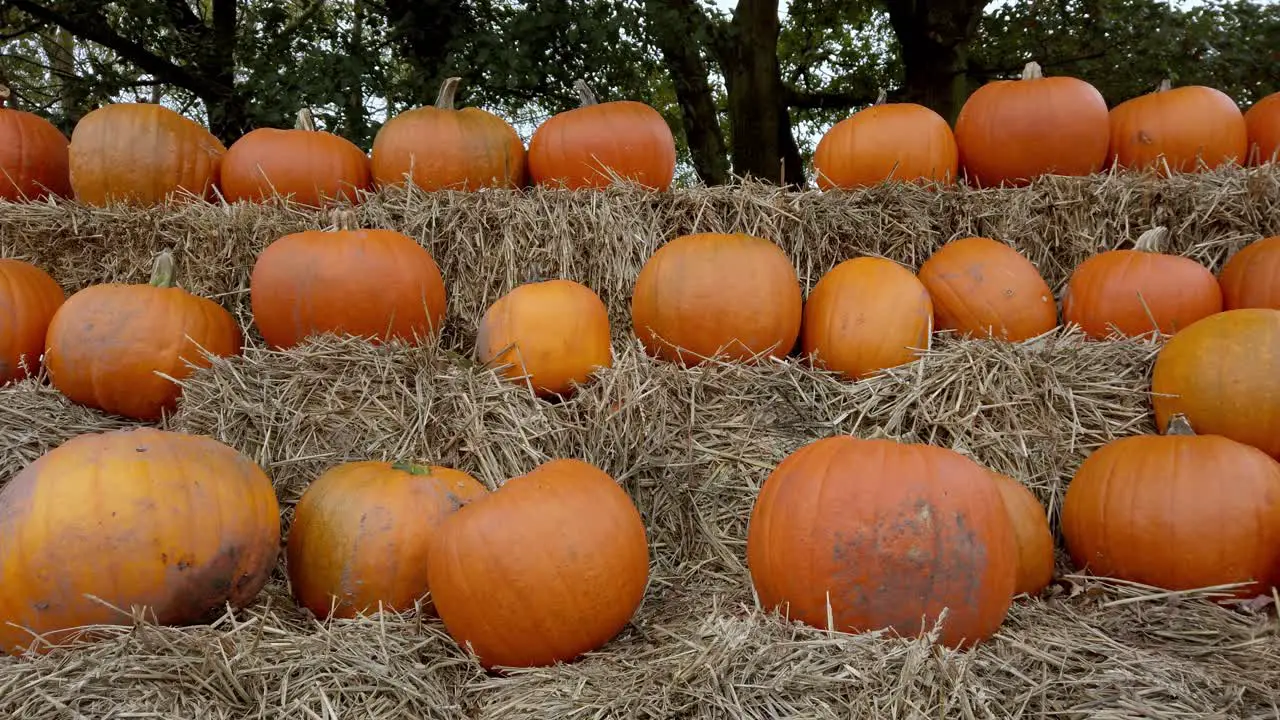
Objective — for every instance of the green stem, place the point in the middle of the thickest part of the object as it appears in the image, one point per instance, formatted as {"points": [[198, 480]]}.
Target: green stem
{"points": [[411, 468], [162, 270], [448, 88]]}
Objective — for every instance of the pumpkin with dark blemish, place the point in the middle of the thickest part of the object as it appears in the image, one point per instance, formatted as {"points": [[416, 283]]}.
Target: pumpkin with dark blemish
{"points": [[985, 288], [362, 532], [180, 525], [886, 535]]}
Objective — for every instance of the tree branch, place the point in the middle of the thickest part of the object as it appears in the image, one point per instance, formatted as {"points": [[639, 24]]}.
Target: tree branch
{"points": [[184, 19], [826, 100]]}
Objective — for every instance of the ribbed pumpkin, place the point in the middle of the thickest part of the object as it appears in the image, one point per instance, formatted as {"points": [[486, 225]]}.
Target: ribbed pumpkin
{"points": [[551, 565], [1012, 131], [107, 342], [1223, 374], [865, 315], [141, 153], [1178, 511], [1251, 278], [1262, 125], [311, 166], [983, 287], [1178, 126], [28, 299], [441, 148], [1032, 534], [1139, 290], [702, 294], [580, 148], [886, 535], [179, 525], [375, 284], [886, 142], [552, 334], [362, 533], [33, 155]]}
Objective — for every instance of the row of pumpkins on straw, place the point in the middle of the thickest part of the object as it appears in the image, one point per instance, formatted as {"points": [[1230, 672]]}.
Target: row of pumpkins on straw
{"points": [[1007, 132]]}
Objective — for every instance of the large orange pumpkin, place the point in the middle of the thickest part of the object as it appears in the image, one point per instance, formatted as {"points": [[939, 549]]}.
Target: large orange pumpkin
{"points": [[886, 142], [1032, 534], [983, 287], [376, 284], [866, 315], [441, 148], [1262, 125], [28, 299], [1178, 511], [555, 333], [1011, 131], [179, 525], [33, 155], [883, 534], [732, 294], [586, 146], [107, 343], [141, 153], [1223, 374], [1251, 278], [1178, 126], [362, 533], [551, 565], [1139, 290], [311, 166]]}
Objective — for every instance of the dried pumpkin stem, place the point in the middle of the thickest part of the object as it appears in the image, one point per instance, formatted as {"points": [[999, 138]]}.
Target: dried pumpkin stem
{"points": [[162, 270], [881, 98], [448, 88], [1179, 425], [410, 467], [1032, 71], [586, 97], [1152, 240], [343, 219], [5, 94], [305, 120], [1165, 85]]}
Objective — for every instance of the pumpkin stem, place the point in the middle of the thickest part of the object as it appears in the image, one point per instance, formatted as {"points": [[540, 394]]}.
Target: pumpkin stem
{"points": [[881, 98], [5, 94], [448, 88], [1152, 240], [343, 219], [305, 120], [1179, 425], [1032, 71], [411, 467], [1165, 85], [586, 98], [162, 270]]}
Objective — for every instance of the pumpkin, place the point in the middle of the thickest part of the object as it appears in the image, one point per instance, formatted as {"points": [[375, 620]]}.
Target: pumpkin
{"points": [[28, 299], [310, 166], [33, 155], [362, 532], [732, 295], [1139, 290], [866, 315], [439, 148], [1262, 126], [178, 525], [107, 343], [1223, 374], [376, 284], [141, 153], [551, 565], [882, 535], [1251, 278], [587, 146], [555, 333], [1012, 131], [1177, 127], [983, 287], [1031, 533], [886, 142], [1178, 511]]}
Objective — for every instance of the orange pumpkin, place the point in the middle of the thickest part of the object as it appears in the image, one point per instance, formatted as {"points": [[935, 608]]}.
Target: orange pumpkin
{"points": [[1178, 511], [107, 342], [886, 142], [1139, 291], [1012, 131], [709, 293], [866, 315], [1178, 126], [33, 156], [362, 533], [178, 525], [555, 333], [983, 287], [311, 166], [141, 153], [1251, 278], [440, 148], [28, 300], [1262, 125], [881, 534], [376, 284], [1223, 374], [551, 565], [586, 146], [1032, 534]]}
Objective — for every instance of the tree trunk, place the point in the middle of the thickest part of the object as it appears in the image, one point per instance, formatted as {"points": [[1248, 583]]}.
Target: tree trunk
{"points": [[934, 37], [59, 49], [355, 115]]}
